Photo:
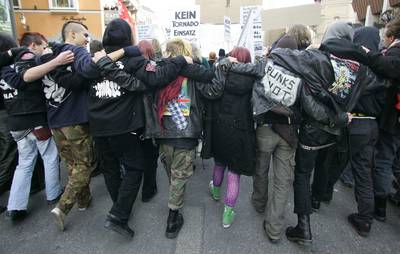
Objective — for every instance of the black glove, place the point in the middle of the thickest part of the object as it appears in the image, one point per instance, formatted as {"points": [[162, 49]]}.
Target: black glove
{"points": [[132, 51]]}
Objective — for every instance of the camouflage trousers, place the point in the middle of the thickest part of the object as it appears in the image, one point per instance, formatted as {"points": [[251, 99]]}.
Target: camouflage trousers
{"points": [[75, 146], [179, 166]]}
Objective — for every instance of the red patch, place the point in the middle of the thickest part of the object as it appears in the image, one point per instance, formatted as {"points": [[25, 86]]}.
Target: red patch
{"points": [[150, 67]]}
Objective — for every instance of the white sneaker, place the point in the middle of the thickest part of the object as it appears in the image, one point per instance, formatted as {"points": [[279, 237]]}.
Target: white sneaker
{"points": [[59, 216]]}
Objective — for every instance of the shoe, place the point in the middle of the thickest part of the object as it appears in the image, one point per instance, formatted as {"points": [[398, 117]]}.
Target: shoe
{"points": [[363, 228], [54, 201], [380, 209], [84, 208], [147, 197], [215, 191], [272, 240], [17, 215], [227, 217], [2, 209], [115, 224], [59, 215], [300, 234], [315, 204], [174, 224]]}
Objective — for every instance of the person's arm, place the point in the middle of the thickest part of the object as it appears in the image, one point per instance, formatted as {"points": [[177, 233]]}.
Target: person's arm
{"points": [[7, 57], [214, 89], [160, 75], [37, 72], [12, 78], [198, 73], [112, 72], [257, 70], [385, 65]]}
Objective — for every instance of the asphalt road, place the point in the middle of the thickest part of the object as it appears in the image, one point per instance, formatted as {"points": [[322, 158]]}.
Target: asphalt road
{"points": [[202, 232]]}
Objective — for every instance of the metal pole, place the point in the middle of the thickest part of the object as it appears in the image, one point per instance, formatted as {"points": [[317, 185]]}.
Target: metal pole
{"points": [[12, 19]]}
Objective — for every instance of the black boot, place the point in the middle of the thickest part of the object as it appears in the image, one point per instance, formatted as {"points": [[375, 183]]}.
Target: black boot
{"points": [[174, 224], [300, 234], [115, 224], [360, 225], [315, 204], [380, 209]]}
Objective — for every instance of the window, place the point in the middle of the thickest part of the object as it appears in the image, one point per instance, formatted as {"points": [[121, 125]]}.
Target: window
{"points": [[17, 4], [63, 4]]}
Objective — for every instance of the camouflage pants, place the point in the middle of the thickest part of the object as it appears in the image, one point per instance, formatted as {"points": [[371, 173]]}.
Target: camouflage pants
{"points": [[179, 166], [76, 149]]}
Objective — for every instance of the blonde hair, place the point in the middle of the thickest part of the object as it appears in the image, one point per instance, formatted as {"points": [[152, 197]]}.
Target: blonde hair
{"points": [[178, 47]]}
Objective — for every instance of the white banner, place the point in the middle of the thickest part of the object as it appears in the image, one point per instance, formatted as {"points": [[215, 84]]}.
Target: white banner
{"points": [[145, 32], [185, 23], [227, 29], [250, 21]]}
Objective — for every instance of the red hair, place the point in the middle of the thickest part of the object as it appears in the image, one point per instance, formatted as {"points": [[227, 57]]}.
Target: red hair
{"points": [[147, 50], [241, 54]]}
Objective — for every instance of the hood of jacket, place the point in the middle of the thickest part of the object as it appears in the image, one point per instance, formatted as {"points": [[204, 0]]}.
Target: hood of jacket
{"points": [[367, 37], [339, 30], [118, 34]]}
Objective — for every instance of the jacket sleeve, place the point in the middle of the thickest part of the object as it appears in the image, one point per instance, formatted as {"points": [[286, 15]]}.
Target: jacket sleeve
{"points": [[198, 73], [125, 80], [5, 59], [12, 78], [257, 70], [161, 75], [215, 88], [388, 65], [68, 79], [84, 65]]}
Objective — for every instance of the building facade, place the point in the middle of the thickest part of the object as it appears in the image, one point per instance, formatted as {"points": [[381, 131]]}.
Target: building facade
{"points": [[48, 16]]}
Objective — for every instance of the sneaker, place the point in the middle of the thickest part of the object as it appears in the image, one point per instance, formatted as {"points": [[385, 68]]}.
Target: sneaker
{"points": [[84, 208], [363, 228], [215, 191], [227, 217], [59, 216]]}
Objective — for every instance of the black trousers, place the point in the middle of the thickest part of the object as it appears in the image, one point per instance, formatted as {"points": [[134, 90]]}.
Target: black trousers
{"points": [[306, 161], [363, 136], [151, 153], [387, 163], [329, 166], [123, 166]]}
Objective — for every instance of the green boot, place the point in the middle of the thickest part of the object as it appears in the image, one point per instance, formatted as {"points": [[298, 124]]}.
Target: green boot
{"points": [[228, 216], [215, 191]]}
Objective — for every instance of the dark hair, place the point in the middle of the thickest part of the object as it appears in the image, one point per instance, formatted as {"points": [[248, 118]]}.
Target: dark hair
{"points": [[241, 54], [393, 28], [28, 38], [95, 46], [6, 42], [66, 24]]}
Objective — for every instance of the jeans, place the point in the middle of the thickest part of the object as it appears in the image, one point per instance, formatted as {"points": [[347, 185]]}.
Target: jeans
{"points": [[123, 167], [21, 184]]}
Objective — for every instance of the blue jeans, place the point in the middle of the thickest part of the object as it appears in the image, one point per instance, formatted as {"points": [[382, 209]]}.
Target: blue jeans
{"points": [[28, 148]]}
